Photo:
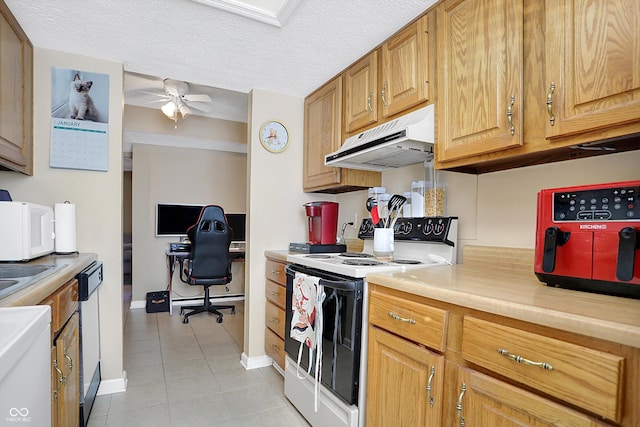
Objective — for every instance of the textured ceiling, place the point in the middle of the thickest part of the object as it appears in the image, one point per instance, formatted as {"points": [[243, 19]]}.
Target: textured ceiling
{"points": [[191, 41]]}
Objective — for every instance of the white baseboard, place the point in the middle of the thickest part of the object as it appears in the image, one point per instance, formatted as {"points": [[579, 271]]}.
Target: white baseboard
{"points": [[186, 302], [255, 362], [138, 304], [117, 385]]}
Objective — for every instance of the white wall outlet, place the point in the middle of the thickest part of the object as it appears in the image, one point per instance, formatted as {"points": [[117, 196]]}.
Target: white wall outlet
{"points": [[354, 219]]}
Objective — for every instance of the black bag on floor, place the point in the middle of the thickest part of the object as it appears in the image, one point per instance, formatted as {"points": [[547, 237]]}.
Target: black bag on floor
{"points": [[158, 301]]}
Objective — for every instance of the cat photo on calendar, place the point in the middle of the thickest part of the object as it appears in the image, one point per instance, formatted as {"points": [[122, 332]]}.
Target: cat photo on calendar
{"points": [[80, 95], [80, 103]]}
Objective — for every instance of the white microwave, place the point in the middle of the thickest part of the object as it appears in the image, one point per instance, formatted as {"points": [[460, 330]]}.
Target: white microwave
{"points": [[26, 231]]}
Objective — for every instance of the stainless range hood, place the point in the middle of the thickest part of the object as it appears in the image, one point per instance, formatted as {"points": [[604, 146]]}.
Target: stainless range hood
{"points": [[404, 141]]}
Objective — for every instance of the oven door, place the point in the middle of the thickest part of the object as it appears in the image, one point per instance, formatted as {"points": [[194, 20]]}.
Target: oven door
{"points": [[342, 331]]}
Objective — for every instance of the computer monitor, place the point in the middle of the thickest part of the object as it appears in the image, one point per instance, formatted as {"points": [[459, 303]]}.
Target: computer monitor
{"points": [[173, 220]]}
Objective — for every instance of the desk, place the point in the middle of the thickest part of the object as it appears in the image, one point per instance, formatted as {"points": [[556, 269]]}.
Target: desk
{"points": [[177, 256]]}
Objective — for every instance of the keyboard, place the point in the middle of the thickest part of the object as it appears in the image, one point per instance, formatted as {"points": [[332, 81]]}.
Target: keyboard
{"points": [[180, 247]]}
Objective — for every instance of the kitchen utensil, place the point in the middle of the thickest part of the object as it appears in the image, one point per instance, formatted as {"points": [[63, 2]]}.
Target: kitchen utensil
{"points": [[372, 207], [395, 203]]}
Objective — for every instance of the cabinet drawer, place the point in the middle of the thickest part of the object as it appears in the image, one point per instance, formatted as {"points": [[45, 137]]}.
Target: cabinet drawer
{"points": [[276, 293], [63, 303], [579, 375], [275, 320], [409, 319], [274, 347], [275, 271]]}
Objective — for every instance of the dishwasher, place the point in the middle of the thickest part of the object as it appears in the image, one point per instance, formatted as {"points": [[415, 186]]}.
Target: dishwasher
{"points": [[89, 280]]}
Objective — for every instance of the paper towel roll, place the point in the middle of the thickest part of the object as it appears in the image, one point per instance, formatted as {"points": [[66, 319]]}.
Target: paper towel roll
{"points": [[65, 227]]}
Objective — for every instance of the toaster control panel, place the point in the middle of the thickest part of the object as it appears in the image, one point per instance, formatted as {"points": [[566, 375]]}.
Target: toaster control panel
{"points": [[602, 204]]}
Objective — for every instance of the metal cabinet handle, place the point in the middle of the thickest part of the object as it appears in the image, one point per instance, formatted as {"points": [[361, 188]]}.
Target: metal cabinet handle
{"points": [[552, 118], [60, 380], [275, 320], [520, 359], [401, 319], [384, 88], [510, 115], [70, 361], [431, 399], [277, 272], [369, 102], [463, 390]]}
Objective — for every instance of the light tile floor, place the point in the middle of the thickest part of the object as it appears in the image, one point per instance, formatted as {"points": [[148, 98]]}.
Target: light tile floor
{"points": [[190, 375]]}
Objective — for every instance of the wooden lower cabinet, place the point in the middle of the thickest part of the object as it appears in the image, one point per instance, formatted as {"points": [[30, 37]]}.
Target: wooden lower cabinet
{"points": [[471, 368], [404, 382], [275, 292], [66, 387], [65, 345], [486, 401]]}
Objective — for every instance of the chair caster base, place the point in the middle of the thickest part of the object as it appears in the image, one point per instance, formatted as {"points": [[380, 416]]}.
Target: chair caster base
{"points": [[185, 320], [219, 319]]}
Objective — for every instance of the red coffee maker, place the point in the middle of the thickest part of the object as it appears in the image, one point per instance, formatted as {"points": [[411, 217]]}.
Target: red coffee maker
{"points": [[322, 218], [588, 238], [323, 222]]}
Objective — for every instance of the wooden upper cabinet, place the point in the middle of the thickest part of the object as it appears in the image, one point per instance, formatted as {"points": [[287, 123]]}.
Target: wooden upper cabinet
{"points": [[16, 99], [592, 57], [361, 93], [405, 66], [480, 77], [323, 134]]}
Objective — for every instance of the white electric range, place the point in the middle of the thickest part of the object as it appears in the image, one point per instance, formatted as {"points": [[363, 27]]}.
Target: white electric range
{"points": [[418, 243]]}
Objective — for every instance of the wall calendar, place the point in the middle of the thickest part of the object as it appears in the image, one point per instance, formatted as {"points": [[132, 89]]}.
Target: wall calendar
{"points": [[79, 120]]}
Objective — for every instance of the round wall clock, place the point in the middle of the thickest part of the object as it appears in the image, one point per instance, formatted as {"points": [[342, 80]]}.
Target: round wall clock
{"points": [[274, 136]]}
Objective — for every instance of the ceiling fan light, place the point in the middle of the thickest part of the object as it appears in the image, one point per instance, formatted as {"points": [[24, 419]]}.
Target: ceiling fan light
{"points": [[169, 109], [184, 110]]}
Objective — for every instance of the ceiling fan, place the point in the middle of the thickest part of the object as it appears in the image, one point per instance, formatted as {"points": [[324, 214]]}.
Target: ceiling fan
{"points": [[178, 100]]}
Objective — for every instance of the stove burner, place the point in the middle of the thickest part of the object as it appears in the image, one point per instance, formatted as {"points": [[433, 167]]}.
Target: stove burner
{"points": [[361, 262], [318, 256], [407, 261], [356, 255]]}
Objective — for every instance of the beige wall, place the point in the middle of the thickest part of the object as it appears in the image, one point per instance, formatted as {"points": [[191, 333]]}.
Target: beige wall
{"points": [[177, 175], [499, 208], [97, 195], [275, 199], [507, 200]]}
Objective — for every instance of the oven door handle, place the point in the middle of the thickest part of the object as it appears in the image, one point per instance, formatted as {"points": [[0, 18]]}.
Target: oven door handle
{"points": [[343, 285]]}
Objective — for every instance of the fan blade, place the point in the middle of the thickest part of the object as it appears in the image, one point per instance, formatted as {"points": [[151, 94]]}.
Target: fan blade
{"points": [[161, 94], [197, 98], [205, 108]]}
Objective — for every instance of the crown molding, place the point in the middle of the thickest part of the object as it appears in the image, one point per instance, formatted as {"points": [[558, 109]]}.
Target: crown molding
{"points": [[277, 19]]}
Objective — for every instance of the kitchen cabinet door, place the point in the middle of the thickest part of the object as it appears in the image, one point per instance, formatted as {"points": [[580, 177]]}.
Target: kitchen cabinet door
{"points": [[405, 382], [592, 66], [323, 135], [16, 99], [405, 67], [65, 388], [361, 93], [486, 401], [480, 77]]}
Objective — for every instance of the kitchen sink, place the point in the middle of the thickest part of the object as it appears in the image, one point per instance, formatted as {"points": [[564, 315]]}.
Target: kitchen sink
{"points": [[14, 277], [5, 283], [10, 271]]}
